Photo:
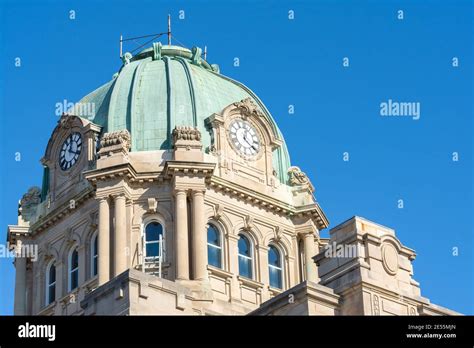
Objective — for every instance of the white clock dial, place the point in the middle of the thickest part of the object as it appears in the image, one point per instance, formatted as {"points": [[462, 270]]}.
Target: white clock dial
{"points": [[244, 138], [70, 151]]}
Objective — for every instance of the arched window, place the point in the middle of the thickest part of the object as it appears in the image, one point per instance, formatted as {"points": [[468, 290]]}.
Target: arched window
{"points": [[245, 257], [73, 269], [275, 268], [50, 283], [153, 244], [214, 247], [94, 255], [153, 241]]}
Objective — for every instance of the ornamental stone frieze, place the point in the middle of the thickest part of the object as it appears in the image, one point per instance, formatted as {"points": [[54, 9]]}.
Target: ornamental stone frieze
{"points": [[186, 133], [115, 142], [187, 144]]}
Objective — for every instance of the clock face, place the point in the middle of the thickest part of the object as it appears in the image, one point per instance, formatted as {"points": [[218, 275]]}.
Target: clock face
{"points": [[70, 151], [244, 138]]}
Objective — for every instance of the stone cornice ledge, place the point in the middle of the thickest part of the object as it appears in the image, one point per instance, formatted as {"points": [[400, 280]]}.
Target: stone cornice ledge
{"points": [[189, 168], [124, 170], [15, 231], [250, 283], [310, 290], [269, 203], [219, 272], [57, 214]]}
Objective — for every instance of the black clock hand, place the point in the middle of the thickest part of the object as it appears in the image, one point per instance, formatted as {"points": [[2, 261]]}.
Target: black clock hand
{"points": [[251, 145], [245, 139]]}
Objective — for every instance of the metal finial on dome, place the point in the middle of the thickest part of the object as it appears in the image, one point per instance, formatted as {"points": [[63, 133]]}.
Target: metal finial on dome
{"points": [[169, 30], [153, 37], [157, 50], [121, 45]]}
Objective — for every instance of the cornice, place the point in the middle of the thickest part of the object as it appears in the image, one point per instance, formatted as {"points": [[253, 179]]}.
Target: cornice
{"points": [[188, 167], [312, 211], [14, 232], [60, 212]]}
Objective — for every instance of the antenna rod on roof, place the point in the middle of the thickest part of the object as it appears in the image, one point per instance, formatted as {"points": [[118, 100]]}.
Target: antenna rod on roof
{"points": [[169, 30], [121, 40]]}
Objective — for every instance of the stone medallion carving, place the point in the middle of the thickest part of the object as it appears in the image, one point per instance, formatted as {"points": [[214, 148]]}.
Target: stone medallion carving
{"points": [[390, 258], [248, 108], [299, 178]]}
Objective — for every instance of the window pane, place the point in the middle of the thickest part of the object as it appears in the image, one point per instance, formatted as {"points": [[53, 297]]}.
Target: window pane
{"points": [[275, 278], [152, 249], [74, 279], [51, 293], [245, 267], [74, 259], [274, 257], [214, 256], [153, 231], [244, 246], [94, 266], [52, 274], [213, 236], [95, 246]]}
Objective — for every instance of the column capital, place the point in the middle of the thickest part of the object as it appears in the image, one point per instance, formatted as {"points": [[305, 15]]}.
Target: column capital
{"points": [[119, 195], [102, 198], [306, 234], [198, 192], [179, 191]]}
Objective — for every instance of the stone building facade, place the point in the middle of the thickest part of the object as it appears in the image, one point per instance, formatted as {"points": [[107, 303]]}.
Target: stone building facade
{"points": [[176, 196]]}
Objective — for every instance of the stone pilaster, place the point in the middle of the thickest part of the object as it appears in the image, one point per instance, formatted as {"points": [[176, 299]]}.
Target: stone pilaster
{"points": [[181, 228], [120, 237], [60, 277], [199, 239], [81, 250], [20, 286], [309, 253], [234, 267], [104, 242], [264, 272]]}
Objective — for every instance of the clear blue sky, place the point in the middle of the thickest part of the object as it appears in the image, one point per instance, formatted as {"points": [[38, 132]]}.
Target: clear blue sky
{"points": [[297, 62]]}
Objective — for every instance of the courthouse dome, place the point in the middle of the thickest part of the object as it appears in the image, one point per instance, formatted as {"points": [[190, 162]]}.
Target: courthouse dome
{"points": [[166, 86]]}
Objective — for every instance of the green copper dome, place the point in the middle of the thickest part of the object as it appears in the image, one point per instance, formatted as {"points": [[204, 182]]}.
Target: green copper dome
{"points": [[167, 86]]}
